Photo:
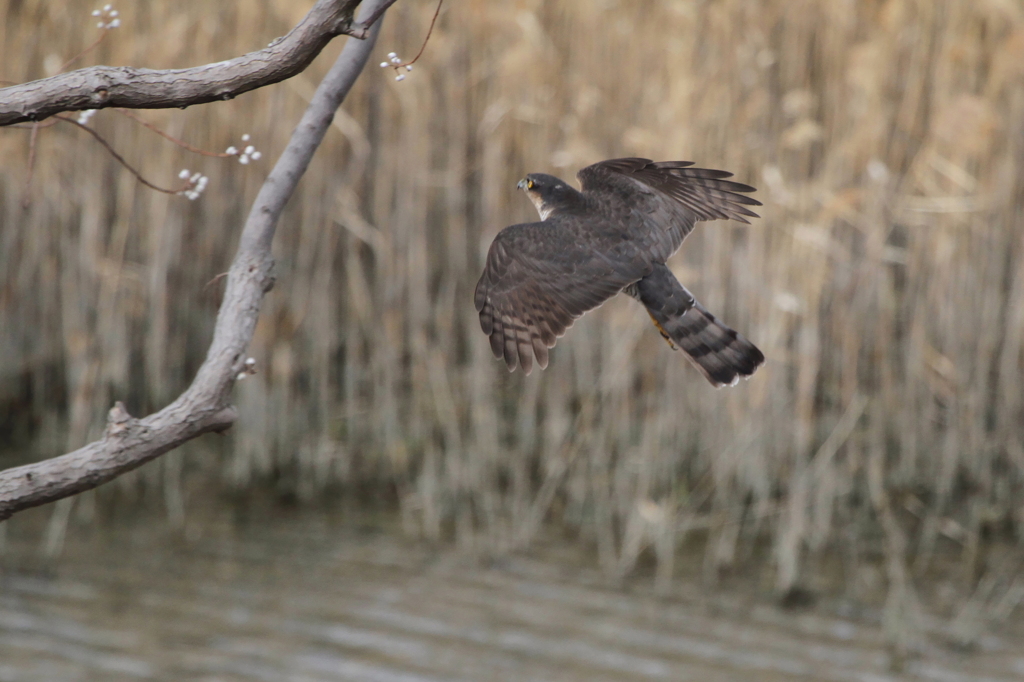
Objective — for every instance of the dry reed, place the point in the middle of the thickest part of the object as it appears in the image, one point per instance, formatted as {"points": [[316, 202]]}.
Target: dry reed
{"points": [[885, 281]]}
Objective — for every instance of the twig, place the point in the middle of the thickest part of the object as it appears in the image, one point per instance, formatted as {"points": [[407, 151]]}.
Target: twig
{"points": [[395, 62], [215, 278], [184, 145], [84, 52], [26, 199], [425, 40], [120, 159]]}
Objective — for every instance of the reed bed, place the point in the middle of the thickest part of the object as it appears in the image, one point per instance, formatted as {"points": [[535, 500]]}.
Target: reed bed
{"points": [[884, 282]]}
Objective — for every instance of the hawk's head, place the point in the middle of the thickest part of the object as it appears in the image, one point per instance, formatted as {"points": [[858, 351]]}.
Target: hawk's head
{"points": [[548, 193]]}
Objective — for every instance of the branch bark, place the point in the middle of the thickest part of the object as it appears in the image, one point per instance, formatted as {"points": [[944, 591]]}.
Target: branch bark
{"points": [[99, 87], [206, 405]]}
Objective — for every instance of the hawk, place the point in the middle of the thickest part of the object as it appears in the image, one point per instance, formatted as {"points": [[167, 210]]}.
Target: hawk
{"points": [[612, 236]]}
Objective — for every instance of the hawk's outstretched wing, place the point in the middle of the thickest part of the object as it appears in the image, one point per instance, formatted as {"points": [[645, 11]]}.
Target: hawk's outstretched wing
{"points": [[540, 277], [670, 196]]}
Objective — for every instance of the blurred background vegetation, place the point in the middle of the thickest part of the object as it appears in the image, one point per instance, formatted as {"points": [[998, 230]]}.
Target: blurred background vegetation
{"points": [[884, 282]]}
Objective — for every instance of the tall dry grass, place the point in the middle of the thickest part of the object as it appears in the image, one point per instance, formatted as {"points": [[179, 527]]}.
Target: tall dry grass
{"points": [[885, 281]]}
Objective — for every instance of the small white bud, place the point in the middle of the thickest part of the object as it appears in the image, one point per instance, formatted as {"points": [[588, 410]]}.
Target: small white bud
{"points": [[396, 60], [245, 138], [400, 77], [256, 156], [243, 159], [95, 12], [114, 13], [195, 177], [391, 55], [383, 65], [107, 8], [250, 149], [241, 375], [408, 67], [877, 170], [250, 362], [230, 150], [184, 173], [101, 25], [114, 24]]}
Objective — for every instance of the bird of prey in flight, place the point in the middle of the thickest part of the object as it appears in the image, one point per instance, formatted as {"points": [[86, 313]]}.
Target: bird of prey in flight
{"points": [[614, 235]]}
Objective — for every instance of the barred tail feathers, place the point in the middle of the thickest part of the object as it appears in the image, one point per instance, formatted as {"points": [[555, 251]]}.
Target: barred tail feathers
{"points": [[720, 353]]}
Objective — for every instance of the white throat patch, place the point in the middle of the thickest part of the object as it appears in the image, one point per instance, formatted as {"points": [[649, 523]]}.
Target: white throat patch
{"points": [[539, 204]]}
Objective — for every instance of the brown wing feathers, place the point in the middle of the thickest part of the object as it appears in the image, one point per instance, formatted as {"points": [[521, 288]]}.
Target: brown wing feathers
{"points": [[703, 191], [537, 281], [519, 338]]}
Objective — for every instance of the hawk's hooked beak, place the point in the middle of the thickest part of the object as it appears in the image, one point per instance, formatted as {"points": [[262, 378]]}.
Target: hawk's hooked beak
{"points": [[522, 184]]}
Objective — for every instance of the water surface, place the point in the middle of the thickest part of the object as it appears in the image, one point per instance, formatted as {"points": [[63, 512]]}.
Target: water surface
{"points": [[302, 599]]}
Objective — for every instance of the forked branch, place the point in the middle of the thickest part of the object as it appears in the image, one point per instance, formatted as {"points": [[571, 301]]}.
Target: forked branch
{"points": [[206, 405]]}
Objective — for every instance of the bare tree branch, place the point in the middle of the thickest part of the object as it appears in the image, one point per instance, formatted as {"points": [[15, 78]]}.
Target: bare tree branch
{"points": [[359, 30], [206, 405], [99, 87]]}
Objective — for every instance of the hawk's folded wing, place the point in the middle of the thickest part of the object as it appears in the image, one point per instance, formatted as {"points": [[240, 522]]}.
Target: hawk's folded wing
{"points": [[539, 279]]}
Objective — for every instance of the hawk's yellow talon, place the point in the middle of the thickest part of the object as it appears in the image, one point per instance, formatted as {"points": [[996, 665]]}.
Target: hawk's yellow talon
{"points": [[664, 334]]}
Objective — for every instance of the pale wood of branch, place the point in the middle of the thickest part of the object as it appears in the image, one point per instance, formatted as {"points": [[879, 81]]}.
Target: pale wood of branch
{"points": [[206, 405], [99, 87]]}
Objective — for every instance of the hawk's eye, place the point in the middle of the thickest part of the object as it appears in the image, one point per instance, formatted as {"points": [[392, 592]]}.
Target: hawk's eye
{"points": [[530, 184]]}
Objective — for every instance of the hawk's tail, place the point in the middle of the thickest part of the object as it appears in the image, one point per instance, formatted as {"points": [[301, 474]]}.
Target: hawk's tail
{"points": [[720, 353]]}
